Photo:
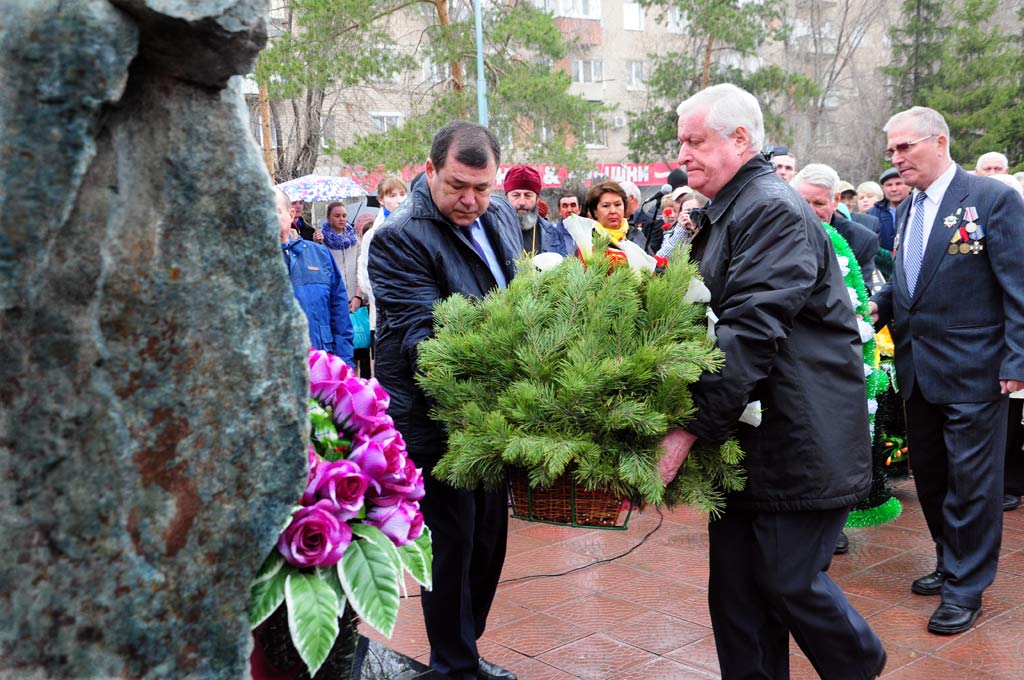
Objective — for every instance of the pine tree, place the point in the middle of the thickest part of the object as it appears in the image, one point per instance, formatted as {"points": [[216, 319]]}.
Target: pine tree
{"points": [[979, 90], [579, 370], [917, 44]]}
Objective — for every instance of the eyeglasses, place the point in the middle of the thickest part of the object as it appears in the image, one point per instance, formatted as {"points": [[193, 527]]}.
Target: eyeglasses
{"points": [[902, 147]]}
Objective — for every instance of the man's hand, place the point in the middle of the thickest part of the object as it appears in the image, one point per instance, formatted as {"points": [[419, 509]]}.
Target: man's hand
{"points": [[1008, 386], [873, 308], [318, 236], [355, 303], [676, 445]]}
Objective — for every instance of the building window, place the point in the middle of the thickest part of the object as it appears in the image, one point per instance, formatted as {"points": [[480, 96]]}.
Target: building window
{"points": [[382, 122], [634, 75], [675, 20], [437, 73], [326, 130], [576, 9], [633, 16], [595, 132], [587, 71]]}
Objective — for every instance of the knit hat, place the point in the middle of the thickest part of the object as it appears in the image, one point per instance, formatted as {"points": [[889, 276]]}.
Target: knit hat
{"points": [[522, 177]]}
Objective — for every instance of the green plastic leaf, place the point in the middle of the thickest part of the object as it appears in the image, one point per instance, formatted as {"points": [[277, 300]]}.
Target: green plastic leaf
{"points": [[369, 574], [329, 575], [418, 557], [312, 617], [267, 591]]}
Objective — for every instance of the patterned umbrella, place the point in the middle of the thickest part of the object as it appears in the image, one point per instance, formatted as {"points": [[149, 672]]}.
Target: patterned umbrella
{"points": [[322, 189]]}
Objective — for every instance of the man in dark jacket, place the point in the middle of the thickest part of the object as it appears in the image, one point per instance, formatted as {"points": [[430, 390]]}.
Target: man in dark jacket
{"points": [[885, 210], [787, 328], [819, 184], [450, 236], [522, 187]]}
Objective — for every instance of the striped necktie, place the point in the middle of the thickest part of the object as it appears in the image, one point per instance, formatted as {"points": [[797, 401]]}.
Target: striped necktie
{"points": [[915, 243]]}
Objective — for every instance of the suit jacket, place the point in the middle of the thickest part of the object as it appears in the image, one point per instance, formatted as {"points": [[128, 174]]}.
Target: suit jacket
{"points": [[963, 329], [869, 221], [862, 241]]}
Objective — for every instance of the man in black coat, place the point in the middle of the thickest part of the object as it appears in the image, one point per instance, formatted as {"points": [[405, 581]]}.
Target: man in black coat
{"points": [[450, 236], [786, 325], [955, 306], [819, 186]]}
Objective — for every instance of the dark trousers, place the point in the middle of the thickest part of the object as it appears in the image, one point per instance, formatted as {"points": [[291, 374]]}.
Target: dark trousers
{"points": [[957, 453], [1013, 482], [469, 530], [768, 580]]}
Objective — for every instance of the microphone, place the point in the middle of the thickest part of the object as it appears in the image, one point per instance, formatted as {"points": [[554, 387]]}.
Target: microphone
{"points": [[664, 190]]}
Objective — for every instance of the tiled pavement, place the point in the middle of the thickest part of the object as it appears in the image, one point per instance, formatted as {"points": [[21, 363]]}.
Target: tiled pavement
{"points": [[644, 616]]}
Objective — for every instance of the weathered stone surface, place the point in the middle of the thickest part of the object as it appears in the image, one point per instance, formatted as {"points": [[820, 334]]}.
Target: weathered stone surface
{"points": [[152, 368]]}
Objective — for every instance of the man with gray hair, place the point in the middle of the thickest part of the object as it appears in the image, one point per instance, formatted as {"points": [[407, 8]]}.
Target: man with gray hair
{"points": [[634, 216], [819, 186], [992, 163], [955, 307], [784, 324]]}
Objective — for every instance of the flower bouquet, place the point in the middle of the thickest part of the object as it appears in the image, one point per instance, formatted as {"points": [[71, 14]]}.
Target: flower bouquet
{"points": [[357, 526], [575, 374]]}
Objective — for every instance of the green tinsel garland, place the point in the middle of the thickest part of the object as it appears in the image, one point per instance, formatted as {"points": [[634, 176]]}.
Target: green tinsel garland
{"points": [[880, 514], [876, 381]]}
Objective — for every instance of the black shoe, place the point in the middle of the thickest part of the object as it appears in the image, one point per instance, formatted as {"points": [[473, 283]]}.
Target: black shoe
{"points": [[489, 671], [843, 544], [1010, 502], [930, 584], [950, 619]]}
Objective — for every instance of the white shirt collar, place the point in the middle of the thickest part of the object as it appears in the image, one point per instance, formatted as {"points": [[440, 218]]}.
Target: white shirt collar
{"points": [[937, 189]]}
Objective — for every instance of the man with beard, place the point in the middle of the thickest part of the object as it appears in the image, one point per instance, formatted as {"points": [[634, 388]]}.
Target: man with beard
{"points": [[522, 187]]}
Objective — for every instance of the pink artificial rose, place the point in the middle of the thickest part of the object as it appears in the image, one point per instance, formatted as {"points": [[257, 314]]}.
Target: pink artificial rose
{"points": [[406, 485], [312, 460], [315, 537], [360, 404], [398, 522], [342, 483], [326, 373], [370, 457]]}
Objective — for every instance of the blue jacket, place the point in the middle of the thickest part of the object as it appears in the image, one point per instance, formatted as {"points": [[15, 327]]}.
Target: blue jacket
{"points": [[886, 225], [320, 291]]}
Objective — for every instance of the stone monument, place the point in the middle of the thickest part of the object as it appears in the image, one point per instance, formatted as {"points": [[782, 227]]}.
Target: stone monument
{"points": [[153, 379]]}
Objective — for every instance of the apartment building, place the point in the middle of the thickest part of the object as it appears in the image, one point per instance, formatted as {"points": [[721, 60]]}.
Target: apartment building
{"points": [[841, 44]]}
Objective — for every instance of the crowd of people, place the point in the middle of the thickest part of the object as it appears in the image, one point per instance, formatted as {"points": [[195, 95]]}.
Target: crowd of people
{"points": [[940, 249]]}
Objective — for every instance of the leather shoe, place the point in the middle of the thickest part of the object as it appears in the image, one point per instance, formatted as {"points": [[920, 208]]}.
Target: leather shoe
{"points": [[491, 671], [1010, 502], [930, 584], [950, 619], [842, 544]]}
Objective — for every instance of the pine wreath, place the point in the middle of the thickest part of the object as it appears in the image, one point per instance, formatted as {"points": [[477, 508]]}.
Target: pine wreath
{"points": [[578, 370]]}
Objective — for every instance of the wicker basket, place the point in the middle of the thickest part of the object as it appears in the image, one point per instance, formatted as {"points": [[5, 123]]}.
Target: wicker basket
{"points": [[567, 503]]}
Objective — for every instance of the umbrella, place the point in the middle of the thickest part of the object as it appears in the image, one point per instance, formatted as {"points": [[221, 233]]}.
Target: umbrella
{"points": [[322, 189]]}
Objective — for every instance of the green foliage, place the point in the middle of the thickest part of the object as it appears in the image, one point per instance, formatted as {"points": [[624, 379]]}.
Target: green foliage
{"points": [[579, 370], [916, 50], [733, 27], [337, 43], [525, 94], [312, 617], [369, 573], [979, 92]]}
